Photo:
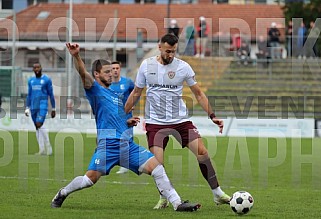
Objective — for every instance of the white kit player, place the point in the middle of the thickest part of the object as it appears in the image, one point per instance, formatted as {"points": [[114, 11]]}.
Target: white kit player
{"points": [[166, 113]]}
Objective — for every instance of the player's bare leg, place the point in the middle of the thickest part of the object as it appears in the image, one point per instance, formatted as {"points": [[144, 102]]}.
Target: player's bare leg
{"points": [[159, 155], [207, 170]]}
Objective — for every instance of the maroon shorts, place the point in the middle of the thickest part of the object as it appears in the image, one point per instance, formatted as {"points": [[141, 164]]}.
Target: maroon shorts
{"points": [[158, 135]]}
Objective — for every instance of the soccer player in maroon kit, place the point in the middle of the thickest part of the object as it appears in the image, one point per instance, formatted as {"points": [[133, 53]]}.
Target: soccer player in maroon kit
{"points": [[165, 110]]}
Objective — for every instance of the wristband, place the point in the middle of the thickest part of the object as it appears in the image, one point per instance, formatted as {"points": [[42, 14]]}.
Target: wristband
{"points": [[212, 116]]}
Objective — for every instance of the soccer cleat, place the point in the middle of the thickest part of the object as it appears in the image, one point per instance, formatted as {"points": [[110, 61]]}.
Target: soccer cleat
{"points": [[40, 153], [58, 199], [220, 200], [162, 203], [186, 206], [122, 170]]}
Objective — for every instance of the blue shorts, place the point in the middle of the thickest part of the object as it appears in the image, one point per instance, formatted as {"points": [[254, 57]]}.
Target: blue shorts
{"points": [[113, 152], [39, 115]]}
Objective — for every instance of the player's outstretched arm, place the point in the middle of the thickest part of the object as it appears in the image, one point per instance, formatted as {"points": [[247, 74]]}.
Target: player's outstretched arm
{"points": [[203, 101], [133, 98], [86, 78]]}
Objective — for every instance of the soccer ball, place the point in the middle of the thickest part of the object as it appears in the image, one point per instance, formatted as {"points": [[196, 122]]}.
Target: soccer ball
{"points": [[241, 202]]}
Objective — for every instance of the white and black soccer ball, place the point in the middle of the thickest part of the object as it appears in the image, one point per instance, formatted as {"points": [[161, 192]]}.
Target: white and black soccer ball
{"points": [[241, 202]]}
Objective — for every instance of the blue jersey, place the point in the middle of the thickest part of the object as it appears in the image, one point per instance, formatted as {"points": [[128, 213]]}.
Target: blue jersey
{"points": [[115, 144], [38, 91], [123, 87], [110, 116]]}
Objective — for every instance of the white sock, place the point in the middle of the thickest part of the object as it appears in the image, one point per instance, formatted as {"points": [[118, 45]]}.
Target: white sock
{"points": [[40, 141], [218, 191], [44, 133], [123, 169], [37, 134], [165, 187], [78, 183]]}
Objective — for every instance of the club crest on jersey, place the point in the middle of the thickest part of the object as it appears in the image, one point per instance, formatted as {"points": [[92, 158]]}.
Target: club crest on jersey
{"points": [[42, 81], [171, 74]]}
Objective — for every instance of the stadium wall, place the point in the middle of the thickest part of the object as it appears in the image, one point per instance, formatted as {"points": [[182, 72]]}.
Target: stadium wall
{"points": [[250, 127]]}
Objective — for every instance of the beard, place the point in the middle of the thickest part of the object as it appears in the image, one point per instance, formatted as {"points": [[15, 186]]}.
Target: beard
{"points": [[107, 83], [167, 61], [38, 73]]}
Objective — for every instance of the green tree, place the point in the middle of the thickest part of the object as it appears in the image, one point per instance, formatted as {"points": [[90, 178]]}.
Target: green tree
{"points": [[307, 11], [300, 9]]}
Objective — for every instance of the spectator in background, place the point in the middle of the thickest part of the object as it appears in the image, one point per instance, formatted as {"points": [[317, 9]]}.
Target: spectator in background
{"points": [[263, 51], [189, 38], [289, 33], [302, 31], [174, 29], [244, 53], [202, 34], [274, 41], [312, 40]]}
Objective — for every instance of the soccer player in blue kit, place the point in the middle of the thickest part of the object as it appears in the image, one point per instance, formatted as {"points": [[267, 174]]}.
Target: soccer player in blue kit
{"points": [[123, 86], [113, 138], [39, 88]]}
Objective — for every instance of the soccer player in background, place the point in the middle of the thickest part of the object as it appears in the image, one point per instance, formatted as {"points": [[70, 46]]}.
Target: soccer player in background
{"points": [[166, 113], [113, 137], [39, 89], [123, 86]]}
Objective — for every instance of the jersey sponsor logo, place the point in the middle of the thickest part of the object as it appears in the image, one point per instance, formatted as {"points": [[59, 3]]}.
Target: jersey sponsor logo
{"points": [[117, 101], [171, 74], [163, 86], [36, 87], [152, 73]]}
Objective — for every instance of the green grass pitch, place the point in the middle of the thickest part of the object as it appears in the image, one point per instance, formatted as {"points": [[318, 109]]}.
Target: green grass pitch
{"points": [[283, 176]]}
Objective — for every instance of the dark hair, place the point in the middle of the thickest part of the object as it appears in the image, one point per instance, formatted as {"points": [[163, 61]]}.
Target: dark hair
{"points": [[169, 38], [97, 65], [116, 62]]}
